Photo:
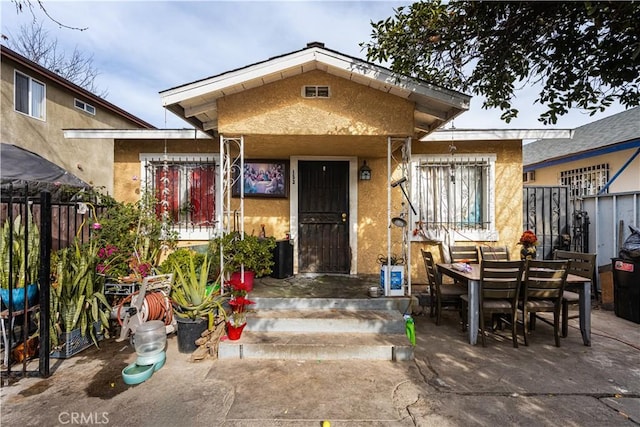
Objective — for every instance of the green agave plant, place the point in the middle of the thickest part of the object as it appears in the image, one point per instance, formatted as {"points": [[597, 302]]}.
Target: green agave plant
{"points": [[77, 298], [192, 294]]}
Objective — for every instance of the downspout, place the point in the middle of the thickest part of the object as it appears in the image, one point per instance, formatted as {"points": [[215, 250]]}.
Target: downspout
{"points": [[626, 164]]}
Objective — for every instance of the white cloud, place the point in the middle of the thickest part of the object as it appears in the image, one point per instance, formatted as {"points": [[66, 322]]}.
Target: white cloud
{"points": [[144, 47]]}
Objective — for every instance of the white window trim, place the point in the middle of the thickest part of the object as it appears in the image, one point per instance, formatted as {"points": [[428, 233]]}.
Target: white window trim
{"points": [[490, 235], [186, 233], [44, 97], [84, 107]]}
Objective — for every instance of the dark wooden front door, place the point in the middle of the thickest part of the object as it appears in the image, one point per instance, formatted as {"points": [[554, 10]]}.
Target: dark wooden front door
{"points": [[323, 209]]}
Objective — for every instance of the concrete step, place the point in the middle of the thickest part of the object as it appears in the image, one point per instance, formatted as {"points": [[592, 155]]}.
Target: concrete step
{"points": [[317, 346], [392, 303], [328, 320], [323, 329]]}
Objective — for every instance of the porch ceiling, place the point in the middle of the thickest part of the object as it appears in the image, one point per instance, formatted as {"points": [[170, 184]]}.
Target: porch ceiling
{"points": [[197, 102]]}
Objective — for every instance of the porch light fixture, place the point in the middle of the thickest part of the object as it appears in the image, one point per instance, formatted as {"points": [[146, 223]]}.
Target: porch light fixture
{"points": [[399, 221], [365, 172]]}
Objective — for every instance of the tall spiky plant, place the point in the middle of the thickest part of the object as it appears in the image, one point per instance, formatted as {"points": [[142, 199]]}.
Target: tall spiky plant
{"points": [[192, 297], [21, 269]]}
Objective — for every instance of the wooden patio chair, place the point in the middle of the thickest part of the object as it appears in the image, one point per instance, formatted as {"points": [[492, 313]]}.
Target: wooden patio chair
{"points": [[464, 253], [440, 295], [499, 291], [494, 253], [543, 285], [581, 264]]}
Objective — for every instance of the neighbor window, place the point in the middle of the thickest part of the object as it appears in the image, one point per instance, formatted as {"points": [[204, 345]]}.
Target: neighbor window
{"points": [[587, 181], [85, 107], [185, 187], [29, 96], [454, 195], [316, 91]]}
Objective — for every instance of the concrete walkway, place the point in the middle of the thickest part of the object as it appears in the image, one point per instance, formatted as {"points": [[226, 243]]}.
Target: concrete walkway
{"points": [[450, 383]]}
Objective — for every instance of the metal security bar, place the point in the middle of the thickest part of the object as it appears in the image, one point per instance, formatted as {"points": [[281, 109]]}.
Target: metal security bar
{"points": [[186, 190], [452, 192], [587, 181]]}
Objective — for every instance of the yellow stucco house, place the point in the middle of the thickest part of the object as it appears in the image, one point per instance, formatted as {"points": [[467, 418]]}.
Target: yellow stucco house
{"points": [[336, 153]]}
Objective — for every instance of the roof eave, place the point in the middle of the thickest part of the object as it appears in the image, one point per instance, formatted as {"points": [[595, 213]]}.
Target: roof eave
{"points": [[72, 87], [496, 134], [449, 104]]}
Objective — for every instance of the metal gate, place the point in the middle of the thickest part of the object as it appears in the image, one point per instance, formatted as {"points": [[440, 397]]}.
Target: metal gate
{"points": [[20, 319], [557, 220]]}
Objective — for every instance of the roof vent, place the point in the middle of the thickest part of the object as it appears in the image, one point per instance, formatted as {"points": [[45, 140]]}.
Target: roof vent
{"points": [[315, 44]]}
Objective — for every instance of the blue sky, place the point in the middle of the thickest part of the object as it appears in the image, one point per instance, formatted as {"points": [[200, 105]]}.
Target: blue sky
{"points": [[144, 47]]}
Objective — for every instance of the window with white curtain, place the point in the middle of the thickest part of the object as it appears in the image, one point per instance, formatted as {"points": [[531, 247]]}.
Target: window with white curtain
{"points": [[29, 96], [185, 187], [454, 195]]}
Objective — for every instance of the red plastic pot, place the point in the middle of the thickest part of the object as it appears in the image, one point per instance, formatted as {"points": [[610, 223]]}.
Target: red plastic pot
{"points": [[248, 278], [234, 332]]}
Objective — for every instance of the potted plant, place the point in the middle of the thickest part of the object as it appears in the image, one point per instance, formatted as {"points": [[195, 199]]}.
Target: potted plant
{"points": [[529, 241], [79, 308], [194, 301], [16, 269], [238, 303], [253, 253], [132, 238]]}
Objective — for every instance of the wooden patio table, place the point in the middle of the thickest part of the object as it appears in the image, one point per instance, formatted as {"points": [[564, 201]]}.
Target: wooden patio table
{"points": [[472, 280]]}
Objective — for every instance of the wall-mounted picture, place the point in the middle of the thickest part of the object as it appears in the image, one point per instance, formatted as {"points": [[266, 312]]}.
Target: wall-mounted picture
{"points": [[264, 178]]}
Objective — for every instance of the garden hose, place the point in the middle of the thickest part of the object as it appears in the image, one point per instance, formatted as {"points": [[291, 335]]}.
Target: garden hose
{"points": [[157, 307]]}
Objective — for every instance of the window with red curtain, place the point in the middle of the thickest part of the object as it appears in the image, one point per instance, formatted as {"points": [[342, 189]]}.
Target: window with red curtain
{"points": [[202, 195], [187, 191]]}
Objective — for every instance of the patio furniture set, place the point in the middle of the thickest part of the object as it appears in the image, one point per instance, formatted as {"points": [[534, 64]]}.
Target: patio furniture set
{"points": [[484, 281]]}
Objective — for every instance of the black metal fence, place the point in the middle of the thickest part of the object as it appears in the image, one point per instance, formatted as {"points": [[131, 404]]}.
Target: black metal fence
{"points": [[553, 216], [25, 317]]}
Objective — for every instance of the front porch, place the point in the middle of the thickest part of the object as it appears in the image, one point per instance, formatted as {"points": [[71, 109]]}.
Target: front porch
{"points": [[316, 286], [322, 317]]}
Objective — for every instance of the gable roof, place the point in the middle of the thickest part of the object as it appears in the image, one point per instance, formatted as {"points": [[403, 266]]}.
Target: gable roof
{"points": [[196, 102], [617, 132], [73, 88]]}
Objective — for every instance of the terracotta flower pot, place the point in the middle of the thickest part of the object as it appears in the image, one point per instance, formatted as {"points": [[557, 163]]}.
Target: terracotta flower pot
{"points": [[234, 332]]}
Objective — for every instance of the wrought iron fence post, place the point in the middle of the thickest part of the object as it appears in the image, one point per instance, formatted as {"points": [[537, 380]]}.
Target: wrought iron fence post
{"points": [[45, 282]]}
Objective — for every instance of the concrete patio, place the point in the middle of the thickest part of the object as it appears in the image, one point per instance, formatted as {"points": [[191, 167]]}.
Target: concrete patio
{"points": [[449, 382]]}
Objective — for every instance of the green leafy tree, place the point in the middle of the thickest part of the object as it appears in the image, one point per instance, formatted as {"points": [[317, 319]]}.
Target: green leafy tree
{"points": [[582, 54]]}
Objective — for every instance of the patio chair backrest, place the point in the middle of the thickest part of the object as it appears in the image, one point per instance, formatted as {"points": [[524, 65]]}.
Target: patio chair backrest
{"points": [[545, 279], [494, 253], [581, 264], [500, 279], [464, 253]]}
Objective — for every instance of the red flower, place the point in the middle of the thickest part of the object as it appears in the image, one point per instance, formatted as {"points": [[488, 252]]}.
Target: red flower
{"points": [[239, 303], [528, 238], [237, 285]]}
